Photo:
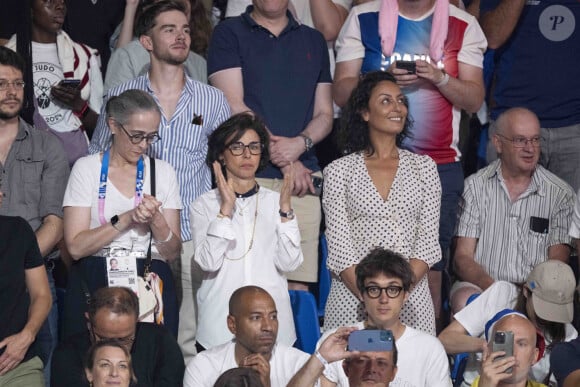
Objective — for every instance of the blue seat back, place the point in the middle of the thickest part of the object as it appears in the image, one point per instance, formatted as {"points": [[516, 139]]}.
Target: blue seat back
{"points": [[323, 277], [305, 320]]}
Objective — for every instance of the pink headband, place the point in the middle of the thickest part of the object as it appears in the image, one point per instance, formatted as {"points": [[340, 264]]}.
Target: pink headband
{"points": [[388, 19]]}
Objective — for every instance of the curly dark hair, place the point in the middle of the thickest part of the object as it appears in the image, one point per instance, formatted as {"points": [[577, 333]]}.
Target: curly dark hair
{"points": [[353, 133], [231, 131], [386, 262]]}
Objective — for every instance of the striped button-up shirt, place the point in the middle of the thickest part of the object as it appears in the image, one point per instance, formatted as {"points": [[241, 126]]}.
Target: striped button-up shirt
{"points": [[513, 237], [200, 110]]}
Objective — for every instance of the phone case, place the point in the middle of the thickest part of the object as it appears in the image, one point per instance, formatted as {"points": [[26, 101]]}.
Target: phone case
{"points": [[370, 341], [503, 341]]}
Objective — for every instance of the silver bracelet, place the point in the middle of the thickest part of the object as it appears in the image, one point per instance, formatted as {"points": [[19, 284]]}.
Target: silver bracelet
{"points": [[166, 239], [322, 359]]}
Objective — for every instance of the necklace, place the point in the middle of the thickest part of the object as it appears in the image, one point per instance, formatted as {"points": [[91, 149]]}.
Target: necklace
{"points": [[249, 193], [253, 230]]}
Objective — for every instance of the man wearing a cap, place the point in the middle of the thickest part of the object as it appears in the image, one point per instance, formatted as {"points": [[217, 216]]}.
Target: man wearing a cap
{"points": [[494, 370], [546, 299], [514, 213]]}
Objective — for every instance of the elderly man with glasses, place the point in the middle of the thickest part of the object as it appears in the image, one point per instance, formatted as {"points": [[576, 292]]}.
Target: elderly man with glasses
{"points": [[384, 280], [113, 313], [514, 213]]}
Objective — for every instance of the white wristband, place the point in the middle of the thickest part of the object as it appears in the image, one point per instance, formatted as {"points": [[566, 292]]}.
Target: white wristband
{"points": [[166, 239], [443, 81], [322, 359]]}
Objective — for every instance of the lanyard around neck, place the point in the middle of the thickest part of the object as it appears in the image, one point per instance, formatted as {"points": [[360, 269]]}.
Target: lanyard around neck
{"points": [[103, 185]]}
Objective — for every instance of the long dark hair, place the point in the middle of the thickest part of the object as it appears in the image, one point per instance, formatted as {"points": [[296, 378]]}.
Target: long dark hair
{"points": [[555, 331], [353, 133]]}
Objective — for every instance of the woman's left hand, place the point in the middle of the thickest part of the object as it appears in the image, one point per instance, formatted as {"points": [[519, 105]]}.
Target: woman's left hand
{"points": [[70, 96], [147, 210], [287, 189]]}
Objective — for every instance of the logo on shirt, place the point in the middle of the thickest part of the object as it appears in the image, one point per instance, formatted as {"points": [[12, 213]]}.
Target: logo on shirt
{"points": [[386, 62], [46, 75], [557, 23]]}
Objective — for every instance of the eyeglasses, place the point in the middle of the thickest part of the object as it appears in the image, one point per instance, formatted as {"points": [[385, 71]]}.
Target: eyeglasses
{"points": [[4, 84], [521, 142], [137, 138], [392, 291], [124, 341], [238, 148]]}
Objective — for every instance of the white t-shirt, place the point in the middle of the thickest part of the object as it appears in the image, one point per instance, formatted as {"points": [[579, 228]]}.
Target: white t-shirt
{"points": [[47, 72], [422, 361], [83, 191], [204, 369], [499, 296]]}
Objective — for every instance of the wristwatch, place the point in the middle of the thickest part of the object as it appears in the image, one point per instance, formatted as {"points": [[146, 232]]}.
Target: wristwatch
{"points": [[288, 215], [114, 221], [308, 144]]}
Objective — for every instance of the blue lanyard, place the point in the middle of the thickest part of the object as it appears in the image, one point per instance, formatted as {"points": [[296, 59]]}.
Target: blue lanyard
{"points": [[103, 185]]}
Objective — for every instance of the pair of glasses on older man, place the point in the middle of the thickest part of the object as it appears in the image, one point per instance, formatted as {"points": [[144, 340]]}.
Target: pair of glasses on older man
{"points": [[238, 148], [521, 142]]}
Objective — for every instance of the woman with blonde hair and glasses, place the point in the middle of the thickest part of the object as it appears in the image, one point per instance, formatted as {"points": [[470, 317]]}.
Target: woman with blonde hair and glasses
{"points": [[243, 234]]}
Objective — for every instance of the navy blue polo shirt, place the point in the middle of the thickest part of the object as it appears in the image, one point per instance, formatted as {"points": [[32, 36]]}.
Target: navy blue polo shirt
{"points": [[280, 74]]}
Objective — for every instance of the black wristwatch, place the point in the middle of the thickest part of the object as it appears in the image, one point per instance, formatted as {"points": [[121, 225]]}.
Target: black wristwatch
{"points": [[114, 221], [308, 143], [288, 215]]}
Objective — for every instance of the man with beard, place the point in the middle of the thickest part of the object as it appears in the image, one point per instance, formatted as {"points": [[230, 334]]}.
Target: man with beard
{"points": [[190, 112], [33, 167], [253, 321]]}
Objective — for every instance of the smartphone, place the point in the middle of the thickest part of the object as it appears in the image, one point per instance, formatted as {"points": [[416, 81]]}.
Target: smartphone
{"points": [[503, 341], [70, 83], [317, 183], [370, 340], [408, 65]]}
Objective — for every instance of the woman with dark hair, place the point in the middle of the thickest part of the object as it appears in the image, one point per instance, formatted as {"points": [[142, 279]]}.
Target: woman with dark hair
{"points": [[243, 234], [108, 363], [111, 212], [379, 195]]}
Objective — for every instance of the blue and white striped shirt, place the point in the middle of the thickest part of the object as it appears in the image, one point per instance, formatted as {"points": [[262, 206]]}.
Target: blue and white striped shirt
{"points": [[183, 144]]}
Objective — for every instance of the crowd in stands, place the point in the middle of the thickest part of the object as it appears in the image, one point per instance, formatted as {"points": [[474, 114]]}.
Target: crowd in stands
{"points": [[169, 167]]}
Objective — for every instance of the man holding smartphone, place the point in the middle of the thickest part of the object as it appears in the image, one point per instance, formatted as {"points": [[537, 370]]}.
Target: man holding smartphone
{"points": [[384, 279], [496, 367]]}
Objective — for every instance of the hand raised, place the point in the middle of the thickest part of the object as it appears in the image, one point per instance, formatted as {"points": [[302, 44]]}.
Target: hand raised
{"points": [[226, 190]]}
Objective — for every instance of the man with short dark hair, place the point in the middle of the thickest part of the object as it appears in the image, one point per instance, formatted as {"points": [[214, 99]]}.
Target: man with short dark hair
{"points": [[33, 172], [113, 314], [190, 112], [384, 281], [253, 320]]}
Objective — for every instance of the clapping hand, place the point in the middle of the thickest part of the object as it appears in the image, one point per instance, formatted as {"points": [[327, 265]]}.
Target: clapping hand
{"points": [[226, 190], [147, 210], [287, 189]]}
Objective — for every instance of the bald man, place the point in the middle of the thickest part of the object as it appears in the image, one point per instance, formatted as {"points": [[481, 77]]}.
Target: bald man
{"points": [[253, 320], [514, 214], [524, 356]]}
